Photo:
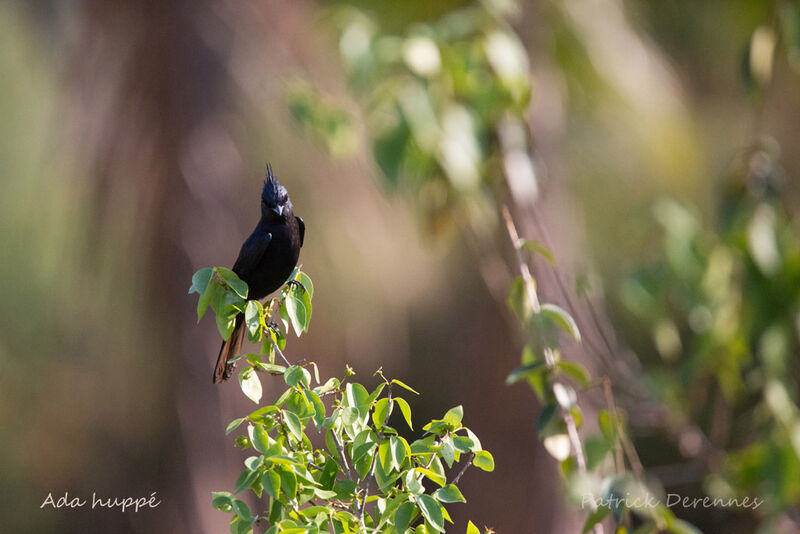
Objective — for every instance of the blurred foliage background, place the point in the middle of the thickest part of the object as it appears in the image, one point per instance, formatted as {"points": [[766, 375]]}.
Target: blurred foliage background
{"points": [[654, 146]]}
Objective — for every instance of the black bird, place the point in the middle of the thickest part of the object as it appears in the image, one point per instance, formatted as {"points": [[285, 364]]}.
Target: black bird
{"points": [[266, 260]]}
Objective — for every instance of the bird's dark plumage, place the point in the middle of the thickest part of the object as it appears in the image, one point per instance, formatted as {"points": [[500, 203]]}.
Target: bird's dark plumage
{"points": [[266, 260]]}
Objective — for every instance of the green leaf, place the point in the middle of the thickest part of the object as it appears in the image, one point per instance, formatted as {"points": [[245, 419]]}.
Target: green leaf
{"points": [[398, 451], [319, 407], [240, 526], [250, 384], [561, 318], [294, 425], [206, 299], [242, 510], [305, 281], [518, 301], [544, 418], [576, 371], [384, 456], [316, 371], [524, 371], [298, 310], [376, 393], [200, 280], [219, 297], [288, 482], [404, 515], [449, 493], [271, 482], [245, 480], [295, 375], [381, 412], [432, 511], [261, 439], [538, 248], [363, 443], [349, 416], [472, 529], [448, 452], [252, 316], [607, 426], [476, 442], [437, 467], [405, 409], [434, 477], [454, 416], [358, 398], [221, 499], [233, 425], [330, 385], [405, 386], [253, 462], [273, 368], [345, 489], [391, 507], [225, 324], [595, 517], [234, 282], [483, 460], [463, 444], [412, 483]]}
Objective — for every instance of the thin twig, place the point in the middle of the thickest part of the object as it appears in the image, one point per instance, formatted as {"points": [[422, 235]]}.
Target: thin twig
{"points": [[627, 444], [619, 459], [530, 283], [371, 475], [280, 353], [463, 469], [550, 360], [575, 440], [340, 448]]}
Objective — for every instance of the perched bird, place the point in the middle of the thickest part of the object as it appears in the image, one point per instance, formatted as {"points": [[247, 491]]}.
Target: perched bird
{"points": [[266, 260]]}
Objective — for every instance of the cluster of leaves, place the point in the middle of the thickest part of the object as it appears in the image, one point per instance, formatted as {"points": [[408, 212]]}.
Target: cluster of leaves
{"points": [[594, 467], [722, 309], [780, 37], [445, 107], [440, 101], [367, 478]]}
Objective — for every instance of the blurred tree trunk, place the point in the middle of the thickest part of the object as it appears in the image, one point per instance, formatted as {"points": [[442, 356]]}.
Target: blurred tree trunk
{"points": [[143, 83]]}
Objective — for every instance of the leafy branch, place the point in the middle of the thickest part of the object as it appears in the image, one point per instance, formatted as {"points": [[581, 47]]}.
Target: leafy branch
{"points": [[368, 477]]}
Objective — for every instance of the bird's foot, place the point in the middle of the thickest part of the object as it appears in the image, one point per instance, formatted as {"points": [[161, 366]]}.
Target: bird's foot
{"points": [[296, 283]]}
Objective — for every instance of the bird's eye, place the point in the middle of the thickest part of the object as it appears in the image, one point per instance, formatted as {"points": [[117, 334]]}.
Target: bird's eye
{"points": [[283, 199]]}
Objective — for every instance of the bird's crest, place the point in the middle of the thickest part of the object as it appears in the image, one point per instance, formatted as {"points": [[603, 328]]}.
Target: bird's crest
{"points": [[272, 189]]}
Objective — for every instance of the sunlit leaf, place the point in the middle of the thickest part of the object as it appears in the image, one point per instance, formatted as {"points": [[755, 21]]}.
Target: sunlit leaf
{"points": [[483, 460], [250, 384], [562, 319]]}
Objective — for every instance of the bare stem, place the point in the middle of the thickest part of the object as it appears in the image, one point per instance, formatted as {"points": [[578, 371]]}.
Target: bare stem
{"points": [[533, 301], [340, 448], [280, 353], [530, 283], [463, 469], [371, 475], [630, 450]]}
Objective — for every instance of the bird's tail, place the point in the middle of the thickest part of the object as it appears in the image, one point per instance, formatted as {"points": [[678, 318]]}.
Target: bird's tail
{"points": [[228, 350]]}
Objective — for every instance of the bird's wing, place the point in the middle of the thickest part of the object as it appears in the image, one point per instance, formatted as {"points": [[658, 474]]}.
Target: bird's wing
{"points": [[302, 226], [251, 253]]}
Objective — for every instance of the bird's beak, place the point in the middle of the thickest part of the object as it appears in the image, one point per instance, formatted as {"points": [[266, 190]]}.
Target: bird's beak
{"points": [[278, 210]]}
